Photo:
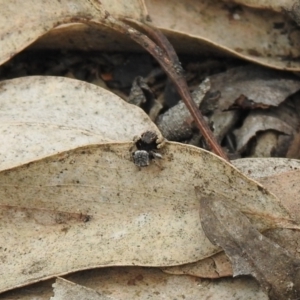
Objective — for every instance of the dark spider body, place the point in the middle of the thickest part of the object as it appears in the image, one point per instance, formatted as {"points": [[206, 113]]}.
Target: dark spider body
{"points": [[146, 147]]}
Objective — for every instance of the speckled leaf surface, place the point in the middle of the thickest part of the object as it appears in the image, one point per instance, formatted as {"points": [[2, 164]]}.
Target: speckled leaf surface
{"points": [[145, 283], [276, 5], [243, 31], [43, 115], [33, 19], [250, 252], [150, 283], [191, 25], [278, 175], [92, 207], [65, 290]]}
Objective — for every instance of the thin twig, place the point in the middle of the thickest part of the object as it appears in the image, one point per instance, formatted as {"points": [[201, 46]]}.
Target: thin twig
{"points": [[165, 54]]}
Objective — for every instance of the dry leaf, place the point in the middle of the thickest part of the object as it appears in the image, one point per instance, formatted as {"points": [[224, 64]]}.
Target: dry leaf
{"points": [[66, 290], [38, 18], [32, 20], [39, 291], [259, 121], [285, 186], [205, 26], [266, 171], [260, 85], [245, 32], [191, 25], [257, 168], [249, 251], [142, 283], [216, 266], [95, 201], [42, 115], [145, 283], [276, 5]]}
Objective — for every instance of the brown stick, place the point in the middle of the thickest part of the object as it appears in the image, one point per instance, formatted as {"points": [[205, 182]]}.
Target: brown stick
{"points": [[168, 60]]}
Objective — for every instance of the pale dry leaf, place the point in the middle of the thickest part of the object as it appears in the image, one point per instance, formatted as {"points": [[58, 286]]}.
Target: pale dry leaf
{"points": [[285, 186], [34, 19], [39, 291], [66, 290], [266, 143], [198, 28], [257, 168], [250, 252], [43, 115], [216, 266], [219, 265], [87, 38], [134, 9], [222, 122], [274, 143], [294, 147], [259, 85], [94, 200], [276, 5], [264, 170], [258, 121], [248, 33], [150, 283]]}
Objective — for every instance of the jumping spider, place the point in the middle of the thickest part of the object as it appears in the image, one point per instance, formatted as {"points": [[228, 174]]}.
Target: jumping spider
{"points": [[146, 146]]}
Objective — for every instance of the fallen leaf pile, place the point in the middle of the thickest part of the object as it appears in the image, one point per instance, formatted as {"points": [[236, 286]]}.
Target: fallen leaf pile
{"points": [[81, 220]]}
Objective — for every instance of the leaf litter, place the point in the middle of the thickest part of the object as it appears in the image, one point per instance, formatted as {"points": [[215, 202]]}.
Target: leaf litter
{"points": [[54, 216], [42, 115], [250, 252], [119, 223], [273, 174], [64, 290]]}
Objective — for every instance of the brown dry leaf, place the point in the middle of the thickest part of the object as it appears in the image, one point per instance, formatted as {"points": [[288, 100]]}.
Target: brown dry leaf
{"points": [[94, 200], [42, 115], [249, 251], [66, 290]]}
